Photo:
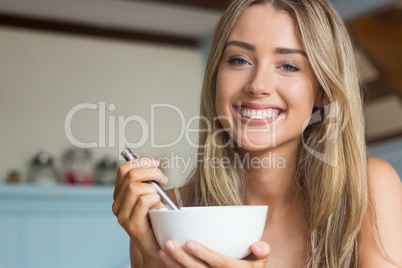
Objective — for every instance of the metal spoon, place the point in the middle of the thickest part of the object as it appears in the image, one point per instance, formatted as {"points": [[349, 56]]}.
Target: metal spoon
{"points": [[165, 198]]}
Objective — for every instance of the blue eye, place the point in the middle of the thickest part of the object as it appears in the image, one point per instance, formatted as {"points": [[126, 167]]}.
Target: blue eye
{"points": [[238, 61], [289, 68]]}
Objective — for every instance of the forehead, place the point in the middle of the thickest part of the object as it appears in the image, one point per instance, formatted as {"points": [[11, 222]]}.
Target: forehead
{"points": [[263, 24]]}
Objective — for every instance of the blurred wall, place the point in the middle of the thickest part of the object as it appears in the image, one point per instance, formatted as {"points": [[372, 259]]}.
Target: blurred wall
{"points": [[390, 151], [105, 89], [352, 8]]}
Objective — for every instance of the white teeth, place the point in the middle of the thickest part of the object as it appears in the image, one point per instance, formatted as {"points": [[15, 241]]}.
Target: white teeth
{"points": [[259, 114]]}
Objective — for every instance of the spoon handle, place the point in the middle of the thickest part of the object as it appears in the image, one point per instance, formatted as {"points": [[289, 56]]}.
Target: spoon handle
{"points": [[165, 198]]}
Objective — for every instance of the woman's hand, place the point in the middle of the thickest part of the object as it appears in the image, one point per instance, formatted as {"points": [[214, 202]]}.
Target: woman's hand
{"points": [[132, 200], [174, 255]]}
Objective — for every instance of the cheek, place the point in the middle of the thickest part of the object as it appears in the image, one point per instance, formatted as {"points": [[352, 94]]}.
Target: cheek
{"points": [[225, 91], [300, 96], [300, 102]]}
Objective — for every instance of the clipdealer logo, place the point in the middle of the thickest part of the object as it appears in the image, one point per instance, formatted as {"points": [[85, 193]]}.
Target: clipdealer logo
{"points": [[147, 130]]}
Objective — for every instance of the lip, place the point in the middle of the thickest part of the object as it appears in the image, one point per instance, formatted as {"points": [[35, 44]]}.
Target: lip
{"points": [[257, 106]]}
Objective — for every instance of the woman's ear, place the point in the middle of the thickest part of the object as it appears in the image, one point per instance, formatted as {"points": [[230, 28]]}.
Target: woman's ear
{"points": [[319, 99]]}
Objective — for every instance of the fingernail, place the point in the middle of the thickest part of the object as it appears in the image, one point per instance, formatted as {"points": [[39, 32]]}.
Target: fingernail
{"points": [[170, 246], [165, 178], [258, 249], [190, 245], [163, 255]]}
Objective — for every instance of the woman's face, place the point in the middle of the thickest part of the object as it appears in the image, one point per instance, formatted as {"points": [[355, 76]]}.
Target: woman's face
{"points": [[265, 89]]}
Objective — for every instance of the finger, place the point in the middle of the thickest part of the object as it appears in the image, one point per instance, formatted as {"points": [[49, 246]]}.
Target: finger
{"points": [[212, 258], [261, 251], [146, 174], [126, 167], [168, 260], [136, 188], [132, 189], [140, 229], [136, 163], [133, 182], [139, 214], [180, 255], [125, 202], [138, 176]]}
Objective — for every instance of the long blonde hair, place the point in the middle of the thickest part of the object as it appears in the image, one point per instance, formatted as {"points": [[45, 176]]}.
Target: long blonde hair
{"points": [[333, 180]]}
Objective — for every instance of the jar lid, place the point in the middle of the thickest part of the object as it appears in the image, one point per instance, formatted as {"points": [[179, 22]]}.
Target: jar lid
{"points": [[42, 159], [107, 163]]}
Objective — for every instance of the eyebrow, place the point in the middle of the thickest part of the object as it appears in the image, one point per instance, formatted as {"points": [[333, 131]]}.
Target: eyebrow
{"points": [[278, 50], [241, 44], [283, 50]]}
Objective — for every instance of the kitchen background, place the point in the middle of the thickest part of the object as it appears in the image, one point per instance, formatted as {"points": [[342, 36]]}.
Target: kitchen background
{"points": [[109, 74]]}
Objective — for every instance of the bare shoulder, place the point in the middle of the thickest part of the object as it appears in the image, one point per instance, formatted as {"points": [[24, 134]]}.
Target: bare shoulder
{"points": [[381, 172], [386, 186], [387, 194]]}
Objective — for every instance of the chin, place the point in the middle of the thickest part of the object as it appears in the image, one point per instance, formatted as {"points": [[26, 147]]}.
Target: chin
{"points": [[256, 145]]}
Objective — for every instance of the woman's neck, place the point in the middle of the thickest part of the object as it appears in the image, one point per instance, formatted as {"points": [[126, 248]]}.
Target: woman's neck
{"points": [[271, 176]]}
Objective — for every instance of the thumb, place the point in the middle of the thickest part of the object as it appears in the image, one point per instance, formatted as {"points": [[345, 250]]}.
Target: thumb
{"points": [[261, 250]]}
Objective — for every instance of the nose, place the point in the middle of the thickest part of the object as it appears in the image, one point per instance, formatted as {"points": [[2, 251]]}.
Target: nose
{"points": [[261, 83]]}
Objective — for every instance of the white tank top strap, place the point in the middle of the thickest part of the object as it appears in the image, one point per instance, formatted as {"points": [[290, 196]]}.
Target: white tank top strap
{"points": [[178, 196]]}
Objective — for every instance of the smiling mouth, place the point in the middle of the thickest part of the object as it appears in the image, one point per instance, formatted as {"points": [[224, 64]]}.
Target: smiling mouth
{"points": [[258, 113]]}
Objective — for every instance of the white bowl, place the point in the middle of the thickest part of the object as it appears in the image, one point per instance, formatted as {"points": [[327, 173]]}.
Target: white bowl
{"points": [[229, 230]]}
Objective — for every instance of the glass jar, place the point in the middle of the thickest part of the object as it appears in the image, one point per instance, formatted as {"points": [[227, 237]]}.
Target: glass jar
{"points": [[41, 170], [77, 167], [106, 171]]}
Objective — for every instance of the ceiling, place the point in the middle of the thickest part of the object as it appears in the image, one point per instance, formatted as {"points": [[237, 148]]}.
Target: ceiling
{"points": [[168, 21], [182, 22]]}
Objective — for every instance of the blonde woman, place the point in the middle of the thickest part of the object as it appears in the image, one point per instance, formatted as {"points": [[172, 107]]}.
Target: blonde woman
{"points": [[280, 84]]}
